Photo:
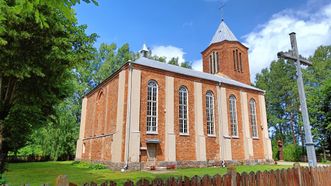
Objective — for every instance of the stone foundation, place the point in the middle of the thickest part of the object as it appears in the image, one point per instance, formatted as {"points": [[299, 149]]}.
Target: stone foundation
{"points": [[181, 164]]}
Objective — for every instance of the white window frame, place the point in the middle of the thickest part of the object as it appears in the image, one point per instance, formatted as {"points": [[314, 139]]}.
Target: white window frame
{"points": [[210, 113], [252, 118], [181, 112], [152, 105], [233, 116]]}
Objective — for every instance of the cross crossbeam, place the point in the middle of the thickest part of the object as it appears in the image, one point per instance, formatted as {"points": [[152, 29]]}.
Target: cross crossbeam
{"points": [[289, 55]]}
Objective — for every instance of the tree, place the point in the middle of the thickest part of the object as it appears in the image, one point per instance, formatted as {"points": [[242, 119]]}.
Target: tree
{"points": [[58, 138], [109, 59], [318, 86], [186, 64], [173, 61], [38, 54], [281, 99]]}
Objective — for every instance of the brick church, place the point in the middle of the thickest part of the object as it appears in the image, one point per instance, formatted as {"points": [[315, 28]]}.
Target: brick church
{"points": [[150, 113]]}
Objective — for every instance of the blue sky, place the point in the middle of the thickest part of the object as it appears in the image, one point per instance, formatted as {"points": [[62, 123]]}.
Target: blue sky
{"points": [[184, 28]]}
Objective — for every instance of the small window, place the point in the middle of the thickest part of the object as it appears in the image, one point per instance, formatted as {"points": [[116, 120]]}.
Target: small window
{"points": [[234, 60], [233, 116], [240, 63], [183, 126], [152, 107], [210, 65], [252, 114], [213, 62], [237, 61], [210, 113]]}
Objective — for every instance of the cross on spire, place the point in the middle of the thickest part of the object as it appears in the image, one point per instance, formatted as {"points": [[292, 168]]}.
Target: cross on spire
{"points": [[221, 9]]}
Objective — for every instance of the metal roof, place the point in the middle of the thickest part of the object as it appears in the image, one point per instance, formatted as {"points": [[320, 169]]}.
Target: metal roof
{"points": [[222, 33], [193, 73]]}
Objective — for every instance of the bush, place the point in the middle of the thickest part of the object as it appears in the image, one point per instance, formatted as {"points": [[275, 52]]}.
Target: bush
{"points": [[275, 155], [292, 152], [95, 166]]}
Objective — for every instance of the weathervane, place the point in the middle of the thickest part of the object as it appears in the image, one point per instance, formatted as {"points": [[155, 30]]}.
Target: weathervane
{"points": [[221, 8]]}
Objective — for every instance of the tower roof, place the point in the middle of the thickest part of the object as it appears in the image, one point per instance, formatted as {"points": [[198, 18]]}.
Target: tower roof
{"points": [[222, 33]]}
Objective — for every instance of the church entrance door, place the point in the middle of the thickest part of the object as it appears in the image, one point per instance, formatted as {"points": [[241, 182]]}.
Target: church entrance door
{"points": [[151, 154]]}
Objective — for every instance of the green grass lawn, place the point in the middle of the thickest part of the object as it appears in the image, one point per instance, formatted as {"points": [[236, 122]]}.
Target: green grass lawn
{"points": [[46, 172]]}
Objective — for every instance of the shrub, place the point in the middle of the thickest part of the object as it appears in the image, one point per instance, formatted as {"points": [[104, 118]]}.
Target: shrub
{"points": [[275, 155], [292, 152], [95, 166]]}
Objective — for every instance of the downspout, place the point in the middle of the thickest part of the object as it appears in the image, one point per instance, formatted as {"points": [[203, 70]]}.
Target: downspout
{"points": [[129, 115]]}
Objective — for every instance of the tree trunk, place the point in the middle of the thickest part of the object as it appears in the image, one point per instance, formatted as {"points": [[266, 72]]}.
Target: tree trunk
{"points": [[3, 151]]}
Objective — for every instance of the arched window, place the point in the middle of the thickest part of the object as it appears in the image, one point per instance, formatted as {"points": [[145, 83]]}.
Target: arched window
{"points": [[233, 116], [183, 127], [210, 113], [152, 107], [252, 115]]}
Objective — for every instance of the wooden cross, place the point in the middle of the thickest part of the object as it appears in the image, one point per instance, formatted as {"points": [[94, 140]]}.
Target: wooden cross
{"points": [[294, 55]]}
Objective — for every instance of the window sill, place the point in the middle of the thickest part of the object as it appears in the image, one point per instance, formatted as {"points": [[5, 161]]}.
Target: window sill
{"points": [[152, 133], [184, 134], [255, 138], [234, 137], [211, 135]]}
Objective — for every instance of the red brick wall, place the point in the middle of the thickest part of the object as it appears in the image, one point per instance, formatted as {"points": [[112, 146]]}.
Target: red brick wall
{"points": [[237, 144], [226, 64], [101, 111], [212, 142], [146, 76], [185, 144], [258, 147]]}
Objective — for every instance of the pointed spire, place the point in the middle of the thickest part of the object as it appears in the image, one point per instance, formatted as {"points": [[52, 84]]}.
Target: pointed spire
{"points": [[144, 52], [223, 33]]}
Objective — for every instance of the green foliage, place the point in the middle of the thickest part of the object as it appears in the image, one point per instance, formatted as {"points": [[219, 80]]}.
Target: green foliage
{"points": [[109, 59], [186, 64], [283, 113], [58, 138], [160, 59], [3, 180], [40, 46], [292, 152], [281, 99], [93, 166], [275, 154], [173, 61], [318, 86], [30, 150]]}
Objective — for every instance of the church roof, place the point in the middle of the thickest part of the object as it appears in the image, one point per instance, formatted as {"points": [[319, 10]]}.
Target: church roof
{"points": [[223, 33], [193, 73]]}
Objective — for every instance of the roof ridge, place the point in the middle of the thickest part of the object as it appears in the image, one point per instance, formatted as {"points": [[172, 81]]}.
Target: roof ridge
{"points": [[191, 72]]}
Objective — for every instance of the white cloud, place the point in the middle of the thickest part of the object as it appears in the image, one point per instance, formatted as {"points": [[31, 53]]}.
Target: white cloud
{"points": [[169, 52], [312, 30], [197, 65]]}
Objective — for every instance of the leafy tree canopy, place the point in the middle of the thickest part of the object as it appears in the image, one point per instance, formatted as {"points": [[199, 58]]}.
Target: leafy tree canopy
{"points": [[40, 48]]}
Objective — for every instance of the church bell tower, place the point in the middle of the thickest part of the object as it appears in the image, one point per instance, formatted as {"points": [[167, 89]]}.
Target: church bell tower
{"points": [[226, 56]]}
